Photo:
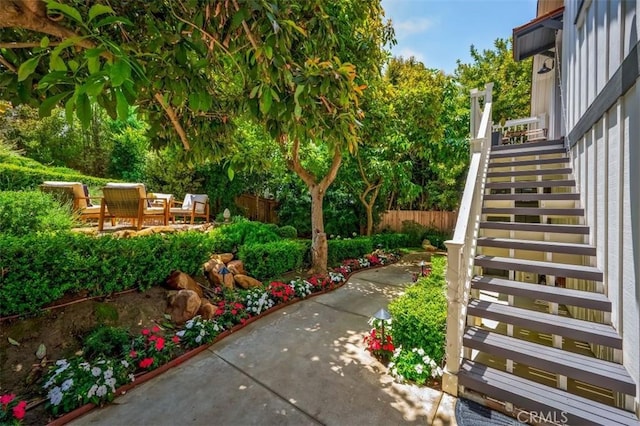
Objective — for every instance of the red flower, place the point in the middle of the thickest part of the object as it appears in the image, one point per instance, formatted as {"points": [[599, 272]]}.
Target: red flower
{"points": [[219, 312], [238, 305], [145, 363], [159, 344], [133, 354], [152, 338], [155, 329], [234, 311], [5, 399], [221, 304], [19, 410], [175, 339], [145, 331]]}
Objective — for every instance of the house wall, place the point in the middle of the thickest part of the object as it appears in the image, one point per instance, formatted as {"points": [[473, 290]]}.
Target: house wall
{"points": [[606, 153]]}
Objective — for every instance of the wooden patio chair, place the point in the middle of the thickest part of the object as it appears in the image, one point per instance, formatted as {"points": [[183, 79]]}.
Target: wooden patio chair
{"points": [[130, 201], [73, 193], [193, 206]]}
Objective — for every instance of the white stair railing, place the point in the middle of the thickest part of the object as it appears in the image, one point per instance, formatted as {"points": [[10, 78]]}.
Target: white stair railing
{"points": [[461, 248]]}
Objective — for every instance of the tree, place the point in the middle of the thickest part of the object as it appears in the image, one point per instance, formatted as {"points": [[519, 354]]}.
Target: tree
{"points": [[193, 65], [512, 80]]}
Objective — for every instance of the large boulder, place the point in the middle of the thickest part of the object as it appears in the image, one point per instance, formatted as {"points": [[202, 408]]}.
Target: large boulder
{"points": [[221, 277], [214, 263], [181, 281], [246, 281], [426, 245], [207, 310], [183, 306], [236, 267]]}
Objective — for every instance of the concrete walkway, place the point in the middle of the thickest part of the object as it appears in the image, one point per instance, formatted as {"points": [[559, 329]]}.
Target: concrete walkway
{"points": [[303, 365]]}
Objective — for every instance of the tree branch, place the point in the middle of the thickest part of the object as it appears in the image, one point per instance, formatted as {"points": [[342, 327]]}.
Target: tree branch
{"points": [[333, 170], [246, 27], [174, 120], [8, 65], [294, 165], [24, 45]]}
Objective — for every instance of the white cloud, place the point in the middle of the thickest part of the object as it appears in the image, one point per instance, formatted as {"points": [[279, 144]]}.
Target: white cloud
{"points": [[412, 26]]}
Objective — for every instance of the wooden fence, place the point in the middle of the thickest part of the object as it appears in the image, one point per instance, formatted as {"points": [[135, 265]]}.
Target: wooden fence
{"points": [[441, 220], [258, 208]]}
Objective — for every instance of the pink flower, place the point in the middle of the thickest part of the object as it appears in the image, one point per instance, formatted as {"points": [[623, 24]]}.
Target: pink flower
{"points": [[145, 331], [218, 312], [159, 344], [153, 338], [145, 363], [7, 398], [19, 410], [155, 329], [238, 306], [133, 354], [234, 311], [175, 339]]}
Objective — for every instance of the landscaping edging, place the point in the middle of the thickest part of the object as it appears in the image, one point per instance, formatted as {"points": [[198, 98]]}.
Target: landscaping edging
{"points": [[146, 376]]}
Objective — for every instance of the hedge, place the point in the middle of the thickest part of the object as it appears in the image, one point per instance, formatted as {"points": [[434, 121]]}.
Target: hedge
{"points": [[420, 315], [15, 177], [349, 248], [30, 212], [39, 269], [269, 260], [390, 241]]}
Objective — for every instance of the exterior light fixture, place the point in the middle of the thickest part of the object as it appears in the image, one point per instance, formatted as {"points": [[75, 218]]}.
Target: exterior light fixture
{"points": [[422, 265], [382, 315]]}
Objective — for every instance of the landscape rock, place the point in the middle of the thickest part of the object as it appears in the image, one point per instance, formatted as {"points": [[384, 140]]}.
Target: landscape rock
{"points": [[184, 306], [246, 281], [226, 257], [213, 264], [207, 310], [181, 281], [228, 280], [236, 267], [426, 244]]}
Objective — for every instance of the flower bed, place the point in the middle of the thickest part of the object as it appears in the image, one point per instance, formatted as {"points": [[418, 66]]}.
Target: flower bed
{"points": [[76, 385]]}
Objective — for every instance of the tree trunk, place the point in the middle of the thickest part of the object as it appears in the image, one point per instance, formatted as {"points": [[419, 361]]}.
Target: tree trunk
{"points": [[369, 208], [319, 246]]}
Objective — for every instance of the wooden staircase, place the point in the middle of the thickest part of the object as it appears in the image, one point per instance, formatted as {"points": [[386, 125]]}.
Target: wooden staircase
{"points": [[522, 347]]}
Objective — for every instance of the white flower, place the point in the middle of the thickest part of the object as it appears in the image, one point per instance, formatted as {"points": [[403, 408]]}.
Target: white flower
{"points": [[180, 333], [55, 396], [419, 368], [198, 339], [132, 377], [49, 383], [96, 371], [124, 363], [85, 366], [92, 391], [62, 362], [202, 333], [111, 382], [66, 385], [189, 324], [102, 391], [421, 352], [108, 373]]}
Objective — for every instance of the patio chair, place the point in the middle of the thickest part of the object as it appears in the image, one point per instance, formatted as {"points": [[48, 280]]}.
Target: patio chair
{"points": [[158, 197], [130, 201], [194, 205], [74, 194]]}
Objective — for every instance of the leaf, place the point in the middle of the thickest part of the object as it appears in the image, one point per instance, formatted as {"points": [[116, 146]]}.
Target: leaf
{"points": [[167, 316], [265, 101], [27, 68], [42, 351], [73, 65], [48, 104], [13, 342], [93, 53], [254, 92], [83, 110], [119, 72], [299, 90], [68, 109], [93, 63], [230, 173], [57, 64], [194, 101], [66, 10], [122, 105], [94, 87], [297, 111], [44, 42], [99, 9]]}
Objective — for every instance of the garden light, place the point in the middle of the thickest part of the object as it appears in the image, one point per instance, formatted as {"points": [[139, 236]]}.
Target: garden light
{"points": [[422, 265], [382, 315], [226, 214]]}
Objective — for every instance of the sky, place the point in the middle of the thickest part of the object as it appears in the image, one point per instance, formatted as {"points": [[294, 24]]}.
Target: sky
{"points": [[438, 32]]}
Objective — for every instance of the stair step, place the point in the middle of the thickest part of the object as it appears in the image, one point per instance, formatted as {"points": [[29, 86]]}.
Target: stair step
{"points": [[557, 160], [543, 400], [528, 151], [539, 172], [533, 211], [531, 184], [536, 227], [553, 360], [590, 332], [506, 147], [564, 296], [533, 196], [534, 245], [539, 267]]}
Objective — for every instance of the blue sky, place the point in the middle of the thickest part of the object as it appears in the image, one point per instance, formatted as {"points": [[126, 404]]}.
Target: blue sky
{"points": [[438, 32]]}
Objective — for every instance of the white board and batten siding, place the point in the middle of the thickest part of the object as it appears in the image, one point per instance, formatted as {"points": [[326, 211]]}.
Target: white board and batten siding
{"points": [[606, 159]]}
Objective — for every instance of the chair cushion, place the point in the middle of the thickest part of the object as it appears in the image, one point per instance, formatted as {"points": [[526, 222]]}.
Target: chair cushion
{"points": [[141, 189], [202, 200], [78, 190]]}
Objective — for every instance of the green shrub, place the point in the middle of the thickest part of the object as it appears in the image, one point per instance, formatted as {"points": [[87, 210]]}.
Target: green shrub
{"points": [[288, 231], [390, 241], [437, 238], [420, 315], [27, 212], [39, 269], [417, 233], [242, 231], [348, 249], [14, 177], [105, 341], [272, 259]]}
